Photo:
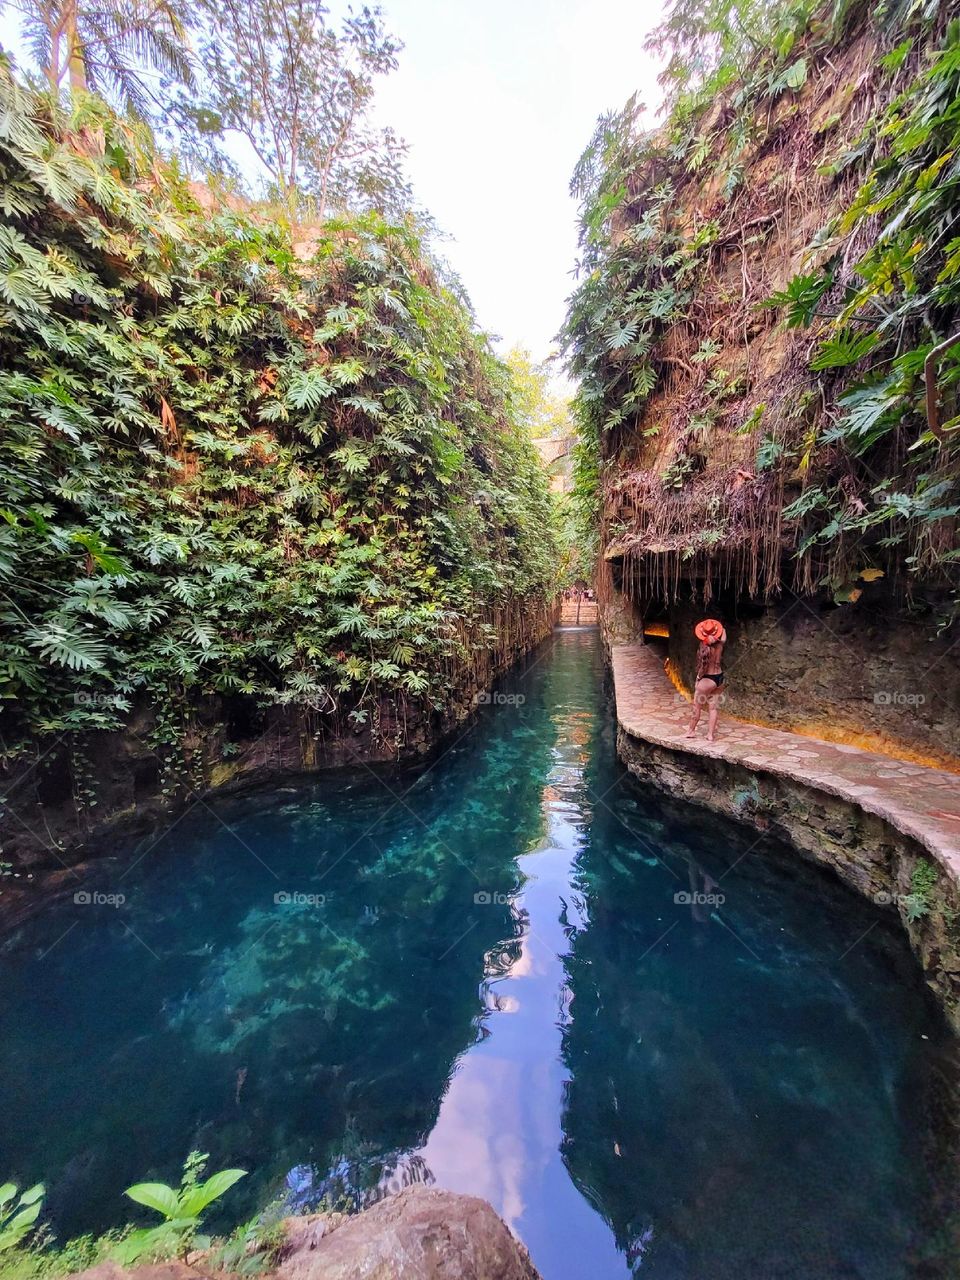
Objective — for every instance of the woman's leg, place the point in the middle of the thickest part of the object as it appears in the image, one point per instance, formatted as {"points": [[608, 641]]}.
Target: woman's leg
{"points": [[713, 714], [701, 695]]}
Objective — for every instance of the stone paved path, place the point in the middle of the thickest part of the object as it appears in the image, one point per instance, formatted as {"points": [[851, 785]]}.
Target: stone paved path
{"points": [[921, 802]]}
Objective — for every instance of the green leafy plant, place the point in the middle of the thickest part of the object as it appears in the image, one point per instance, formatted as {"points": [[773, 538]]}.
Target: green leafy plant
{"points": [[846, 348], [251, 1248], [923, 880], [769, 452], [236, 463], [18, 1213], [801, 297], [871, 427], [707, 349], [107, 47], [180, 1208]]}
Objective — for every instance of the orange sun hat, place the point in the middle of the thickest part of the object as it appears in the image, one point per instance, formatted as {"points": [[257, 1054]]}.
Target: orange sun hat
{"points": [[710, 631]]}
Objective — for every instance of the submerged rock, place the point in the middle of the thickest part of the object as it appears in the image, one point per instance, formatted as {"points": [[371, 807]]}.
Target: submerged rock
{"points": [[419, 1234]]}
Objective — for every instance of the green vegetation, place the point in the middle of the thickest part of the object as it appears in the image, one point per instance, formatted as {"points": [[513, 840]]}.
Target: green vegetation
{"points": [[180, 1210], [245, 1252], [537, 404], [857, 463], [631, 287], [18, 1213], [896, 316], [106, 46], [923, 882], [296, 87], [540, 406], [300, 93], [239, 455]]}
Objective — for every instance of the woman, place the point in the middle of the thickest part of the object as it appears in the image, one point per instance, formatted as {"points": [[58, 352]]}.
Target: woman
{"points": [[712, 638]]}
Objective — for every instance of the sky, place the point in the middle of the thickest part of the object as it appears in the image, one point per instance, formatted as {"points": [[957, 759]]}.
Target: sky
{"points": [[497, 99]]}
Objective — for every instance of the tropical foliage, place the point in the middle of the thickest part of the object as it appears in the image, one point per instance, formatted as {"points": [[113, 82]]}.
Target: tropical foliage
{"points": [[546, 413], [237, 457], [18, 1213], [180, 1208], [892, 333], [107, 46], [867, 440], [296, 88], [538, 401]]}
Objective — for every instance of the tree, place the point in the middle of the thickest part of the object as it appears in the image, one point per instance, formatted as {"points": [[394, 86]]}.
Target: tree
{"points": [[105, 46], [301, 94], [544, 412]]}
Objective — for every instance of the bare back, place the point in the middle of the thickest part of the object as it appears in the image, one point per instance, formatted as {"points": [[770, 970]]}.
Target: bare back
{"points": [[710, 659]]}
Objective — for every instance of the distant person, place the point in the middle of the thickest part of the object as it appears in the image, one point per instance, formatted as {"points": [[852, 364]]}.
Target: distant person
{"points": [[712, 639]]}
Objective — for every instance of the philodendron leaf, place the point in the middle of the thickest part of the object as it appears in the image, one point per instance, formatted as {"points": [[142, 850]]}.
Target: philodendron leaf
{"points": [[194, 1202], [795, 76], [155, 1195]]}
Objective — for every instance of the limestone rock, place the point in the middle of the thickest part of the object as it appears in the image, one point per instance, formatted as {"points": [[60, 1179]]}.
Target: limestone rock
{"points": [[419, 1234]]}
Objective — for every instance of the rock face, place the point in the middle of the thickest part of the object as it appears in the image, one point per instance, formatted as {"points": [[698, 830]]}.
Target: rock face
{"points": [[419, 1234], [860, 674], [873, 820], [230, 745]]}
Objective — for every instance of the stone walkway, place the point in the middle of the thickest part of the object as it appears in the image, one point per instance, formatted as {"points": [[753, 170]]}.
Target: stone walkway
{"points": [[920, 802]]}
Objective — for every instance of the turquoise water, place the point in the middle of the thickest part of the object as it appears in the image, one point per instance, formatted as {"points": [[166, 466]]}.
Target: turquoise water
{"points": [[486, 982]]}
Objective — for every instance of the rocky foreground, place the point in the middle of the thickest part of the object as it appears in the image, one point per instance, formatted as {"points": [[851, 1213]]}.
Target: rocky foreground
{"points": [[419, 1234]]}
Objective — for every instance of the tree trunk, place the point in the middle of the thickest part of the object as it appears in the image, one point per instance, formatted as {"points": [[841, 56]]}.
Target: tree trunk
{"points": [[77, 67], [292, 176]]}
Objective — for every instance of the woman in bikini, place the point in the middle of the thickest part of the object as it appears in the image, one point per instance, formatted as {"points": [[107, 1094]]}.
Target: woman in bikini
{"points": [[712, 639]]}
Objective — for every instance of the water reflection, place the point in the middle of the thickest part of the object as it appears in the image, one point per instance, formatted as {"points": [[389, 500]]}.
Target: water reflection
{"points": [[287, 986], [498, 1134], [656, 1050], [750, 1069]]}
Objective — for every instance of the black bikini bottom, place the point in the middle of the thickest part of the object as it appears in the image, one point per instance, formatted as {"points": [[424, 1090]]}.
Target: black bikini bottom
{"points": [[717, 679]]}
